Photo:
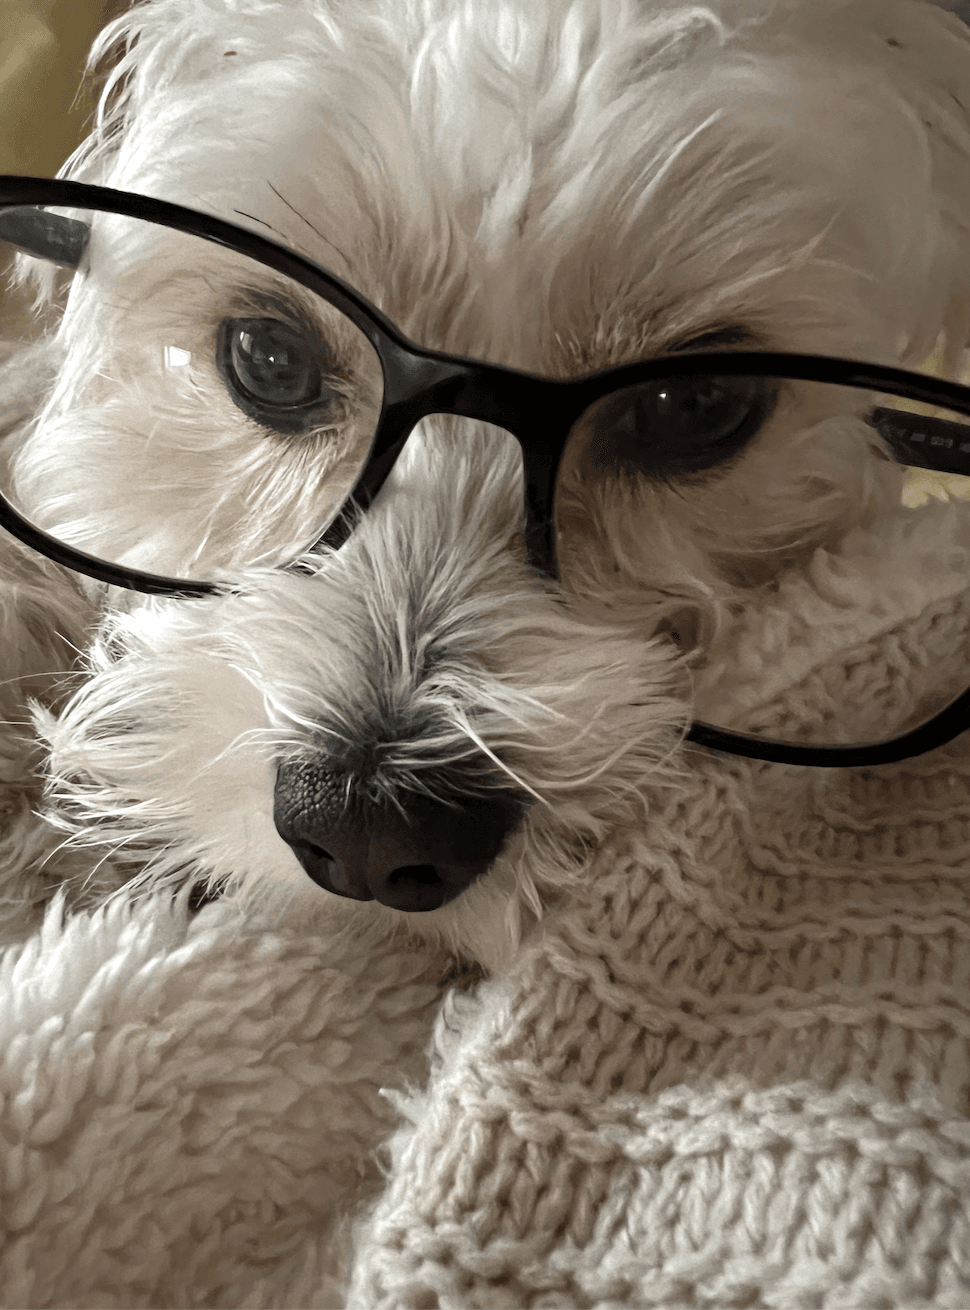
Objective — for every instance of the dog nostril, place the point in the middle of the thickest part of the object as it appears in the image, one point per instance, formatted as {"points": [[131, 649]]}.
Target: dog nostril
{"points": [[425, 874], [415, 857]]}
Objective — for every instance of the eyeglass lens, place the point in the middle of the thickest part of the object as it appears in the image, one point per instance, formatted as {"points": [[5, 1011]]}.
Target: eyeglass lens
{"points": [[203, 413]]}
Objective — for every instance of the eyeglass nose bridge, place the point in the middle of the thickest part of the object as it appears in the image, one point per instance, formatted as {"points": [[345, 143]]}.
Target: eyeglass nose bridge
{"points": [[537, 412]]}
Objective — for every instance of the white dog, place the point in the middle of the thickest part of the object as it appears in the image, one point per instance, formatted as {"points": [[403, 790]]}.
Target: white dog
{"points": [[425, 724]]}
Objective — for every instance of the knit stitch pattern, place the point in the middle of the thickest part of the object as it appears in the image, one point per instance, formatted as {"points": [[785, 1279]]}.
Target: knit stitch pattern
{"points": [[184, 1108], [734, 1072]]}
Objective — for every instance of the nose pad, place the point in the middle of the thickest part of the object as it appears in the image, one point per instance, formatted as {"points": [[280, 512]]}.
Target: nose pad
{"points": [[415, 861]]}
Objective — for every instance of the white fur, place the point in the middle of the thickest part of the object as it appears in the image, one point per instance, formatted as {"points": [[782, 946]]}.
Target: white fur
{"points": [[561, 187], [444, 639]]}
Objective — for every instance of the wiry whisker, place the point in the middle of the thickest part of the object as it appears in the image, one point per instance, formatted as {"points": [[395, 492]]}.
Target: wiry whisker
{"points": [[500, 763], [69, 842]]}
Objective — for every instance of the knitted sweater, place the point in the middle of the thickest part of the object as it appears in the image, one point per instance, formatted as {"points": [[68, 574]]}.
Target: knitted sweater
{"points": [[733, 1071]]}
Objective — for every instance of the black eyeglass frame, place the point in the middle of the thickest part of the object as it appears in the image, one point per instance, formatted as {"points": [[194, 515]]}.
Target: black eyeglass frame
{"points": [[419, 382]]}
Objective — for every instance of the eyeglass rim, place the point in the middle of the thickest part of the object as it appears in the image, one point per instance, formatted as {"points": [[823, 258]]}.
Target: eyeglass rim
{"points": [[420, 382]]}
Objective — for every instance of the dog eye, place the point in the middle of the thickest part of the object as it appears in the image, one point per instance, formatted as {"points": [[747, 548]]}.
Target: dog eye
{"points": [[677, 425], [275, 374]]}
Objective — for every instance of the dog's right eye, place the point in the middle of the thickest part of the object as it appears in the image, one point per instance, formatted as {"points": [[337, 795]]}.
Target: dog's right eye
{"points": [[277, 374], [678, 425]]}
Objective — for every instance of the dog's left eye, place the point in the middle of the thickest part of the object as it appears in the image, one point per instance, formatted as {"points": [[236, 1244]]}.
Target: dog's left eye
{"points": [[678, 425], [275, 374]]}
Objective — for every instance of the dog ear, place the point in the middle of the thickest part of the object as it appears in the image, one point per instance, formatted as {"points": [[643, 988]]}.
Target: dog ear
{"points": [[53, 237]]}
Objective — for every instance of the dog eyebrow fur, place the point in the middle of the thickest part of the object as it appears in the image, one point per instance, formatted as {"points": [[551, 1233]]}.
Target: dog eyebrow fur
{"points": [[734, 337]]}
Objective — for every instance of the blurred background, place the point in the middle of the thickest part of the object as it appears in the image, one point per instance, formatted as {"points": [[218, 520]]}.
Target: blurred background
{"points": [[43, 114], [43, 45]]}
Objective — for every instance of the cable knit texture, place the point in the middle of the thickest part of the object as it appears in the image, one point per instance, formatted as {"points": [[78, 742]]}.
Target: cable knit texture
{"points": [[732, 1072]]}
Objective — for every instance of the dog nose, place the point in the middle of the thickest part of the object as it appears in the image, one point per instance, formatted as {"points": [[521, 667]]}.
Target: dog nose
{"points": [[417, 858]]}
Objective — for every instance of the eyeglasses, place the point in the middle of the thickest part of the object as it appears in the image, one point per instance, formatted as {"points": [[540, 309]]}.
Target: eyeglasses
{"points": [[280, 389]]}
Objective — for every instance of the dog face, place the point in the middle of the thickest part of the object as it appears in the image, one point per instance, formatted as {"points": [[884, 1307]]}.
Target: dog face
{"points": [[559, 188]]}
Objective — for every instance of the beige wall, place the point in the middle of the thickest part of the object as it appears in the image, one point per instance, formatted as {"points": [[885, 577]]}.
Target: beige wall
{"points": [[43, 44]]}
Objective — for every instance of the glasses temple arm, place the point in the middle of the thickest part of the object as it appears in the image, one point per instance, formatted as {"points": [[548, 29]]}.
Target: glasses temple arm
{"points": [[923, 442]]}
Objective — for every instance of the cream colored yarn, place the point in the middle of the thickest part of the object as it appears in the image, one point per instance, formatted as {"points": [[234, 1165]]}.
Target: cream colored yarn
{"points": [[733, 1072], [736, 1072], [185, 1109]]}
